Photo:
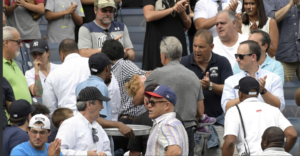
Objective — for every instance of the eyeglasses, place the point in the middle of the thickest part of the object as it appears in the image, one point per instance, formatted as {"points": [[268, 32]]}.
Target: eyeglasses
{"points": [[108, 37], [36, 132], [18, 41], [154, 102], [241, 56], [165, 43], [95, 137], [107, 10]]}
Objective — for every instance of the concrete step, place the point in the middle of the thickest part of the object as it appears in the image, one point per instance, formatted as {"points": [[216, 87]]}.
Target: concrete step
{"points": [[132, 17]]}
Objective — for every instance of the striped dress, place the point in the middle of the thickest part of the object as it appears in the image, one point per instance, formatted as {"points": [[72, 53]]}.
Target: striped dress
{"points": [[167, 131]]}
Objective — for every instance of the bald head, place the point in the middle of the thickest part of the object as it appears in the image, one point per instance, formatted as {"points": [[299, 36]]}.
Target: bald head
{"points": [[272, 137], [68, 46]]}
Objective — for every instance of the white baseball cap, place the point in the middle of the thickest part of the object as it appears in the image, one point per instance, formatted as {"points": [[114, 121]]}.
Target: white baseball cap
{"points": [[42, 118]]}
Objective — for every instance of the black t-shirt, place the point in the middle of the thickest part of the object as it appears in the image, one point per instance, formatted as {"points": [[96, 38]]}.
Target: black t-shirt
{"points": [[219, 70], [132, 3], [140, 142], [192, 30], [13, 136], [89, 16], [8, 95]]}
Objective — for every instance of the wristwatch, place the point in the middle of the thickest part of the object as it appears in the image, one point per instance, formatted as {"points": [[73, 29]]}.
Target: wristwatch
{"points": [[263, 92], [210, 86]]}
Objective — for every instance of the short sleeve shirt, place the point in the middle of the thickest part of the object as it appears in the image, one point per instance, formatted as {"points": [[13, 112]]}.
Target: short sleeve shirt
{"points": [[92, 35], [8, 95], [25, 149], [63, 27], [219, 70], [13, 136]]}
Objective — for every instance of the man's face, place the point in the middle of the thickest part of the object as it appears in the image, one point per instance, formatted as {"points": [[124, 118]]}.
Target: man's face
{"points": [[96, 108], [108, 75], [104, 15], [246, 62], [257, 38], [224, 26], [158, 108], [202, 50], [13, 45], [38, 137]]}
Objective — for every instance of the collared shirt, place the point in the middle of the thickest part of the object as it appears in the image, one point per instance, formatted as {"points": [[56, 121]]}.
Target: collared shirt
{"points": [[77, 139], [209, 8], [185, 84], [124, 70], [257, 117], [167, 131], [59, 89], [275, 151], [95, 81], [115, 95], [288, 46], [273, 85], [15, 77], [219, 70], [269, 65]]}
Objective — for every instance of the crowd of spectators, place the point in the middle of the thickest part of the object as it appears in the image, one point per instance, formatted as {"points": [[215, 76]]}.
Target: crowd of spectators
{"points": [[227, 94]]}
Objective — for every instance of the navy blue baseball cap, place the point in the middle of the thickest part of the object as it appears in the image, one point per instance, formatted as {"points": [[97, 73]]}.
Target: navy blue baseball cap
{"points": [[98, 62], [246, 84], [163, 91], [39, 45]]}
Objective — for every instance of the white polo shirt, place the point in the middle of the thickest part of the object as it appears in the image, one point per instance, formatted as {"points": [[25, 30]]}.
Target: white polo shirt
{"points": [[257, 117], [273, 85], [209, 8], [228, 52]]}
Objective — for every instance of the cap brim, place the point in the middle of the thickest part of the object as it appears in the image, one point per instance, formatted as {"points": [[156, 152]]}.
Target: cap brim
{"points": [[40, 50], [152, 94], [237, 87], [104, 98]]}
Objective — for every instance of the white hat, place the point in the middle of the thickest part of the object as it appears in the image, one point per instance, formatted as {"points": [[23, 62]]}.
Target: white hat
{"points": [[42, 118], [105, 3]]}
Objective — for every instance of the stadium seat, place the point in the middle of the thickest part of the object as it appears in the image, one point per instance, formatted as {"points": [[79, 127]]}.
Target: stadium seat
{"points": [[37, 100], [54, 52]]}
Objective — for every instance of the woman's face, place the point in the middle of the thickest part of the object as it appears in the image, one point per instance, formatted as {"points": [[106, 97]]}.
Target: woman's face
{"points": [[250, 5], [42, 57]]}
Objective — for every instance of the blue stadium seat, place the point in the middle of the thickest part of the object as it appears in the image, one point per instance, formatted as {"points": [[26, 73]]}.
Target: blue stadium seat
{"points": [[290, 88], [54, 52]]}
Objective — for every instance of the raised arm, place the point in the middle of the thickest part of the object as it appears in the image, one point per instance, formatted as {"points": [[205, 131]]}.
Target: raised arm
{"points": [[278, 15], [274, 35]]}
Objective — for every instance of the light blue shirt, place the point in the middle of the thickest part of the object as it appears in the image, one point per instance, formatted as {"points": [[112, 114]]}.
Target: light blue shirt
{"points": [[269, 65], [273, 85], [95, 81], [25, 149]]}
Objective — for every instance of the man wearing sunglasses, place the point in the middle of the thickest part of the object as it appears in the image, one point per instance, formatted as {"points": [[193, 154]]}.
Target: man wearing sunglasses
{"points": [[168, 135], [81, 134], [38, 131], [11, 71], [271, 88], [93, 34]]}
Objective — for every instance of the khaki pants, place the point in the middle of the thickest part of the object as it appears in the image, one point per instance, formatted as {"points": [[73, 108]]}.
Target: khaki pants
{"points": [[290, 69], [201, 149]]}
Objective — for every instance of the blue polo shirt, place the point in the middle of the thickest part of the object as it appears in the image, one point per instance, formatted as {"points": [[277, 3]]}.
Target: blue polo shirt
{"points": [[219, 70], [269, 65], [95, 81]]}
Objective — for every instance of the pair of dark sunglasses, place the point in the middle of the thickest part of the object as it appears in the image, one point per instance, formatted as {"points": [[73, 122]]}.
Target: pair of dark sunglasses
{"points": [[95, 137], [154, 102], [241, 56], [106, 10], [18, 41]]}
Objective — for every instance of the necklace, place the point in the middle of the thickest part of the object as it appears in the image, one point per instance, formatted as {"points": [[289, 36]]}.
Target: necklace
{"points": [[209, 58]]}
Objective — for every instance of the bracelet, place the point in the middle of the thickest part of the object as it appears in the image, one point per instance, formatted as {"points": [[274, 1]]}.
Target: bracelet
{"points": [[186, 19]]}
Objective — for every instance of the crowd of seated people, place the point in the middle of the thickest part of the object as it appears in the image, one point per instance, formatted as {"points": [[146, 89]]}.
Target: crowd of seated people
{"points": [[225, 97]]}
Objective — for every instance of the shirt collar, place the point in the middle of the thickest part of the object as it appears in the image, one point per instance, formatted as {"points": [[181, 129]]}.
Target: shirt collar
{"points": [[85, 120], [71, 56], [212, 60], [6, 61], [162, 117], [251, 99], [173, 63], [94, 77], [274, 149], [256, 74], [267, 61], [116, 64]]}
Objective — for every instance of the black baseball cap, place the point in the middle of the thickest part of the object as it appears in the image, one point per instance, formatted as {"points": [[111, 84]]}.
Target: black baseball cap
{"points": [[246, 84], [91, 93], [39, 45], [98, 61], [20, 109]]}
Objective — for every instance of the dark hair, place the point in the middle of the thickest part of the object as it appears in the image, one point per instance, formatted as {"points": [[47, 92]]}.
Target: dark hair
{"points": [[253, 47], [265, 38], [19, 120], [151, 87], [113, 49], [262, 17], [206, 34], [68, 46], [40, 109]]}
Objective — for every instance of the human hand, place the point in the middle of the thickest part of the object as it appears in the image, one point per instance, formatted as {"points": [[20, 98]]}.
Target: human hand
{"points": [[21, 3], [205, 81], [262, 83], [37, 64], [118, 37], [148, 73], [239, 16], [71, 9], [101, 154], [180, 6], [253, 26], [126, 131], [297, 2], [92, 153], [54, 148], [233, 5]]}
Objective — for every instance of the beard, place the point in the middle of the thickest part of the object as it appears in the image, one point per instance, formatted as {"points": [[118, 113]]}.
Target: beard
{"points": [[105, 21], [107, 80]]}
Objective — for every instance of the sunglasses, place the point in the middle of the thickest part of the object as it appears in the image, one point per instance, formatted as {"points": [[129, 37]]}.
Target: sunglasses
{"points": [[18, 41], [107, 10], [95, 137], [154, 102], [241, 56], [108, 37]]}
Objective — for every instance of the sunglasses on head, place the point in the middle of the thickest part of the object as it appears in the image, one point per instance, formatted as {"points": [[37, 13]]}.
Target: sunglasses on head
{"points": [[241, 56]]}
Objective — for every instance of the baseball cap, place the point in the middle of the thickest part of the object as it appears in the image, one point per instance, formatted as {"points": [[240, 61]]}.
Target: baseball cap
{"points": [[246, 84], [39, 45], [98, 61], [20, 109], [105, 3], [91, 93], [42, 118], [163, 91]]}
